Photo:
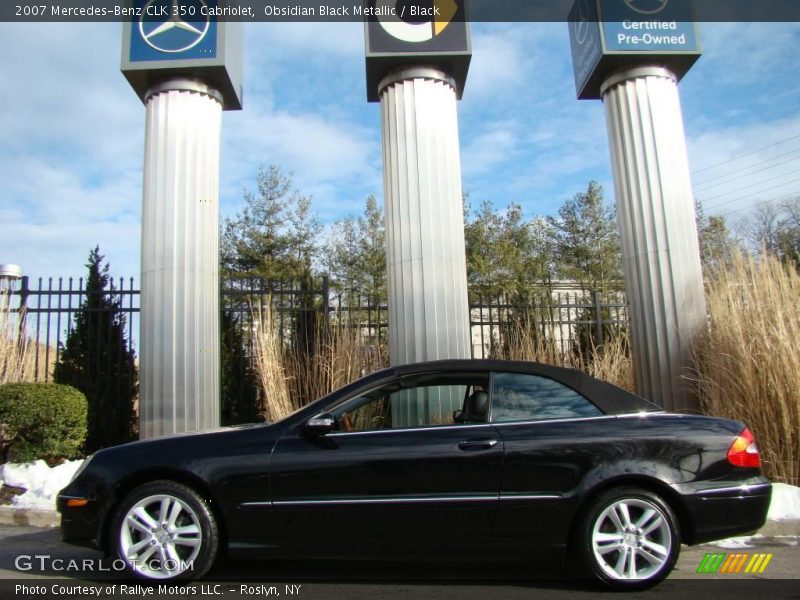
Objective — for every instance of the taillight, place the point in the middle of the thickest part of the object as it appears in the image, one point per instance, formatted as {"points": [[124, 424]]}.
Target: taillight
{"points": [[743, 451]]}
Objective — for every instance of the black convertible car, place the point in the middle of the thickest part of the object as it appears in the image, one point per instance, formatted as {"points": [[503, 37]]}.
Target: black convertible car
{"points": [[445, 458]]}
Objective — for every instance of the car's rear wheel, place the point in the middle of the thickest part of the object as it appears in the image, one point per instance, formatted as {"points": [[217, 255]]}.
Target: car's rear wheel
{"points": [[164, 530], [628, 538]]}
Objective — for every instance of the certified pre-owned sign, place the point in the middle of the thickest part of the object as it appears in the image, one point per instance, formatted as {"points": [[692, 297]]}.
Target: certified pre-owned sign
{"points": [[608, 35]]}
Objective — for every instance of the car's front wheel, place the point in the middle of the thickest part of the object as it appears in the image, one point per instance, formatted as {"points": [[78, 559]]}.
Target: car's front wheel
{"points": [[164, 530], [628, 538]]}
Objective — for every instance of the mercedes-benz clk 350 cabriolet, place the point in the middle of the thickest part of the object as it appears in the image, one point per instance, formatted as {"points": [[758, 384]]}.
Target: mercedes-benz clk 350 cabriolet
{"points": [[448, 458]]}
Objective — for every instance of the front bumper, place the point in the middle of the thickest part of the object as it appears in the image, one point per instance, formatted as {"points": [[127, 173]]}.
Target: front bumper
{"points": [[726, 509], [81, 525]]}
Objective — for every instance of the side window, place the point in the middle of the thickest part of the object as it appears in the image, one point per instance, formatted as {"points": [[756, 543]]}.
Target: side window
{"points": [[420, 401], [521, 397]]}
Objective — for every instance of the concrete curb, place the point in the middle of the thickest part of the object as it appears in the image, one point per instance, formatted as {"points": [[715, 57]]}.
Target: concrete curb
{"points": [[38, 517], [32, 517]]}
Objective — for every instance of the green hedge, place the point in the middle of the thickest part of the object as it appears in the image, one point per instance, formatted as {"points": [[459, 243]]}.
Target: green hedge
{"points": [[42, 420]]}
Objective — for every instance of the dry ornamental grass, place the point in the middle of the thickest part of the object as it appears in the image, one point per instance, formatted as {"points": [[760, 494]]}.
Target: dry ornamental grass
{"points": [[15, 360], [291, 378], [748, 363], [611, 363], [276, 400]]}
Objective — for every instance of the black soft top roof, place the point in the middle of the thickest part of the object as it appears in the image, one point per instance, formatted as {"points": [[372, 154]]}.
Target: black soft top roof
{"points": [[609, 398]]}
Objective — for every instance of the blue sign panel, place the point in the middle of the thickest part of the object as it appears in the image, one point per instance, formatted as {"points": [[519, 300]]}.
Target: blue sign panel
{"points": [[584, 40], [173, 30], [648, 26]]}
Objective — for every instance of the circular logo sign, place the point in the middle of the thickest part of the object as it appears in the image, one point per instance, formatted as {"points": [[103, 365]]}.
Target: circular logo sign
{"points": [[646, 7], [174, 26], [414, 22], [581, 24]]}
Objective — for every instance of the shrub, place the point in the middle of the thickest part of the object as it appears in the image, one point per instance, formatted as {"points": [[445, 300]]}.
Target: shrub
{"points": [[42, 420]]}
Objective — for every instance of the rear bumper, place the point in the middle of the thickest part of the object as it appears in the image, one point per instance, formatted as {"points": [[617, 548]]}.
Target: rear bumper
{"points": [[726, 510]]}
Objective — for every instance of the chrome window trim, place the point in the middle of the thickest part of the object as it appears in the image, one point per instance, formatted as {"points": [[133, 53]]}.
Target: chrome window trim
{"points": [[400, 429], [574, 419], [546, 421], [501, 424]]}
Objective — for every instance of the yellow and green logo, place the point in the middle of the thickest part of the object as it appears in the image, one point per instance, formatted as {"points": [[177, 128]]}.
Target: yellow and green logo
{"points": [[732, 564]]}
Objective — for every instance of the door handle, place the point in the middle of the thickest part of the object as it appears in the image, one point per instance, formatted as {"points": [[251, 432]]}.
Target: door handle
{"points": [[467, 445]]}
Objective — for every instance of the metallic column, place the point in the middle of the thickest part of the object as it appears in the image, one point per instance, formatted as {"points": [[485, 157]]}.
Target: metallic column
{"points": [[428, 307], [179, 370], [663, 276]]}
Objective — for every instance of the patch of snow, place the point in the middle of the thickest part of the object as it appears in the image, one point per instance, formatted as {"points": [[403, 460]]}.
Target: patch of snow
{"points": [[734, 543], [785, 502], [41, 481]]}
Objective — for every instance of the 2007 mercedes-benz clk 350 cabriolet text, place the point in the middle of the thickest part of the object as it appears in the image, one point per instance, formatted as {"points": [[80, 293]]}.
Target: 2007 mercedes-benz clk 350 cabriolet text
{"points": [[454, 457]]}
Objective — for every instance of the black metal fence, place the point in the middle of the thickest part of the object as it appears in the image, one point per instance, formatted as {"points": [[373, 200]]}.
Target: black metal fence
{"points": [[569, 320], [45, 316], [46, 313]]}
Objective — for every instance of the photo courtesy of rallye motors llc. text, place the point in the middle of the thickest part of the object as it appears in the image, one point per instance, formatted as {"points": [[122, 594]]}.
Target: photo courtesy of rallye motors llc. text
{"points": [[143, 591]]}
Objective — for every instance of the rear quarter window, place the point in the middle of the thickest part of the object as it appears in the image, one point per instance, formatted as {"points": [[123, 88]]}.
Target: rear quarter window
{"points": [[523, 397]]}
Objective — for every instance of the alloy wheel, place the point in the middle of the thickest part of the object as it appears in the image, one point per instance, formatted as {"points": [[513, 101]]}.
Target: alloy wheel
{"points": [[160, 536], [632, 539]]}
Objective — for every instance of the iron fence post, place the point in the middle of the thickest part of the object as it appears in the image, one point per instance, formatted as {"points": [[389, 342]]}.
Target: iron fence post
{"points": [[24, 292], [598, 311], [326, 299]]}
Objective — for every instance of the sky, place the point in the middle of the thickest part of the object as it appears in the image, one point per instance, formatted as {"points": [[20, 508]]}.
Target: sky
{"points": [[72, 130]]}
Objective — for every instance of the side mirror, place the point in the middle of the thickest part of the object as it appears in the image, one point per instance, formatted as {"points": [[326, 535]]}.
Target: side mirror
{"points": [[319, 425]]}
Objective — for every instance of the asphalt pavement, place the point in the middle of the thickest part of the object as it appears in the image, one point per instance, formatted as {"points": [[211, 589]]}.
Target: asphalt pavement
{"points": [[34, 563]]}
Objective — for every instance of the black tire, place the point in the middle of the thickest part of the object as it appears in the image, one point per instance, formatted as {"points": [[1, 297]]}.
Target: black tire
{"points": [[164, 531], [630, 553]]}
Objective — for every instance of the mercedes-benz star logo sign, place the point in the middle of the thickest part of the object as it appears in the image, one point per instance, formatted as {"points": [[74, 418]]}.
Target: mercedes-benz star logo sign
{"points": [[184, 18], [647, 7]]}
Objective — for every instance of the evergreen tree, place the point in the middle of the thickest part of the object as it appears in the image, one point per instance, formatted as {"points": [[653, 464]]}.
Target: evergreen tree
{"points": [[506, 254], [372, 246], [342, 250], [543, 251], [96, 359], [483, 249], [304, 235], [587, 242], [275, 236], [355, 254]]}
